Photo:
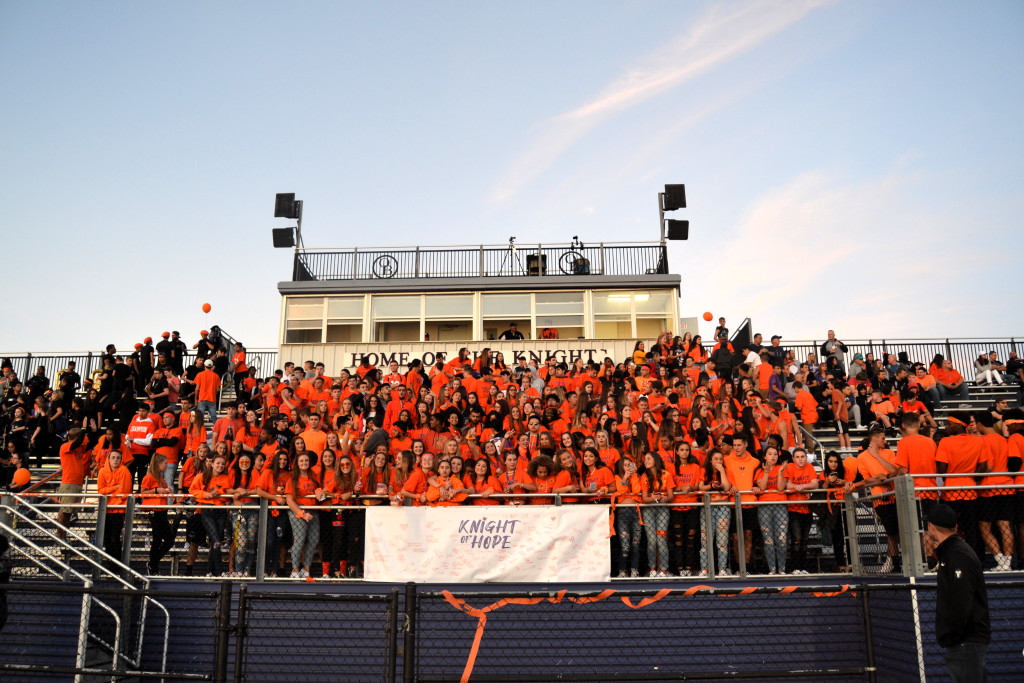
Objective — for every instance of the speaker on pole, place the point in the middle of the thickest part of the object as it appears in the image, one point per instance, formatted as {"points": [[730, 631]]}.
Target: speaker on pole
{"points": [[675, 197], [284, 238], [284, 205], [678, 230]]}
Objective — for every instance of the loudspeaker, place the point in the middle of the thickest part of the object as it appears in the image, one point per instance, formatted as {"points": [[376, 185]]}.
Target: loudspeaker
{"points": [[675, 197], [537, 264], [678, 230], [284, 238], [284, 205]]}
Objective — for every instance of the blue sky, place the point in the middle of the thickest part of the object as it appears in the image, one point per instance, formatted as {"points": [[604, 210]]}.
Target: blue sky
{"points": [[849, 165]]}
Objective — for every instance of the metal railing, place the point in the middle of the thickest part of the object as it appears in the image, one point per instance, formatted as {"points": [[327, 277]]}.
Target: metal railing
{"points": [[605, 258], [61, 553]]}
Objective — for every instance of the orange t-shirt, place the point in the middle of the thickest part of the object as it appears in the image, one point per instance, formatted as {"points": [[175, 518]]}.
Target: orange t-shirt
{"points": [[995, 455], [150, 482], [807, 407], [740, 472], [73, 463], [868, 466], [207, 383], [799, 475], [304, 491], [916, 453], [961, 453]]}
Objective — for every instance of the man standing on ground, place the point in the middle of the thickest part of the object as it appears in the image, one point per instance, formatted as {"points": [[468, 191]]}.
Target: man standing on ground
{"points": [[961, 606]]}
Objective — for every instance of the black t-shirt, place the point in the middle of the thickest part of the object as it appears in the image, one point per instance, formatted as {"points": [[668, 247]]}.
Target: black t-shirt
{"points": [[220, 365], [509, 334], [121, 377]]}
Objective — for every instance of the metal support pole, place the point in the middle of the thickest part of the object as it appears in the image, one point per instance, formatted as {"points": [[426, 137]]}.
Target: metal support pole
{"points": [[709, 534], [99, 537], [240, 631], [220, 663], [852, 538], [741, 546], [392, 636], [7, 502], [869, 638], [409, 642], [910, 527], [661, 216], [126, 539], [261, 539]]}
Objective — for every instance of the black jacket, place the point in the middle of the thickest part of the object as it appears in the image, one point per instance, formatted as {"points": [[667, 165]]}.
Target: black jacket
{"points": [[961, 605]]}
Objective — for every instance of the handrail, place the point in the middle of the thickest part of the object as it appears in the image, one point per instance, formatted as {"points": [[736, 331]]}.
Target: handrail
{"points": [[445, 247]]}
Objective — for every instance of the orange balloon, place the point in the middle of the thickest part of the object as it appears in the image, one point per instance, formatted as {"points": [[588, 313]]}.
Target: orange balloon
{"points": [[21, 477], [207, 307], [708, 316]]}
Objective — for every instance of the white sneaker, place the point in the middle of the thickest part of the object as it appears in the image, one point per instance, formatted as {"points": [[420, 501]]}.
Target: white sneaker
{"points": [[703, 573], [295, 574], [634, 573], [622, 573], [724, 572], [653, 574], [304, 574], [772, 573], [887, 566], [799, 571], [663, 574]]}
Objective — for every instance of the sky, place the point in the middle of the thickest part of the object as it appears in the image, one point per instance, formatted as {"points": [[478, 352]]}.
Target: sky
{"points": [[849, 165]]}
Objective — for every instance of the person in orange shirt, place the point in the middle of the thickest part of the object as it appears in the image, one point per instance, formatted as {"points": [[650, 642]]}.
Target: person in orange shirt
{"points": [[741, 468], [877, 465], [168, 441], [995, 506], [799, 476], [882, 409], [74, 463], [483, 483], [628, 496], [303, 490], [313, 437], [272, 485], [207, 388], [241, 370], [657, 487], [950, 384], [115, 482], [155, 491], [415, 488], [961, 453], [542, 473], [138, 438], [806, 406], [1013, 420], [684, 517], [716, 482], [210, 489], [774, 518], [597, 479], [244, 491]]}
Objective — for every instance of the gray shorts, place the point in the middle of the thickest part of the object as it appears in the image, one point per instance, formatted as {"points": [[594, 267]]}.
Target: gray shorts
{"points": [[68, 500]]}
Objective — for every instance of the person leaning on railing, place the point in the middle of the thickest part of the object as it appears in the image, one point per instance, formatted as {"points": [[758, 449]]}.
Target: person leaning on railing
{"points": [[115, 482], [75, 456]]}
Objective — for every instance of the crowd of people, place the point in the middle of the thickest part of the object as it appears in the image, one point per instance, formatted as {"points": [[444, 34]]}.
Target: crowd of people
{"points": [[651, 434]]}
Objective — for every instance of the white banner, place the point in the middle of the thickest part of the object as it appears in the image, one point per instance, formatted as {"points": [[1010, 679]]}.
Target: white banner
{"points": [[487, 543]]}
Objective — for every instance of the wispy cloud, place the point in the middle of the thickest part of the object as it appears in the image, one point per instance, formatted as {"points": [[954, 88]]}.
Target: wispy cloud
{"points": [[822, 251], [721, 34]]}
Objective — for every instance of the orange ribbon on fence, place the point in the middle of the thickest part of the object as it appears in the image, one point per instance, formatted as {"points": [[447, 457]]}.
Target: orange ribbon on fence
{"points": [[481, 612]]}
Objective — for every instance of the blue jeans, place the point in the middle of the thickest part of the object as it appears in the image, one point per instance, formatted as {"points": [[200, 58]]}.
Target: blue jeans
{"points": [[960, 392], [246, 521], [966, 662], [208, 408], [720, 519], [627, 526], [171, 476], [774, 520], [656, 529]]}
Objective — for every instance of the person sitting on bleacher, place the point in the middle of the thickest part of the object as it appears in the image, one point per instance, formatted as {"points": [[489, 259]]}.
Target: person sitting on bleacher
{"points": [[950, 382]]}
